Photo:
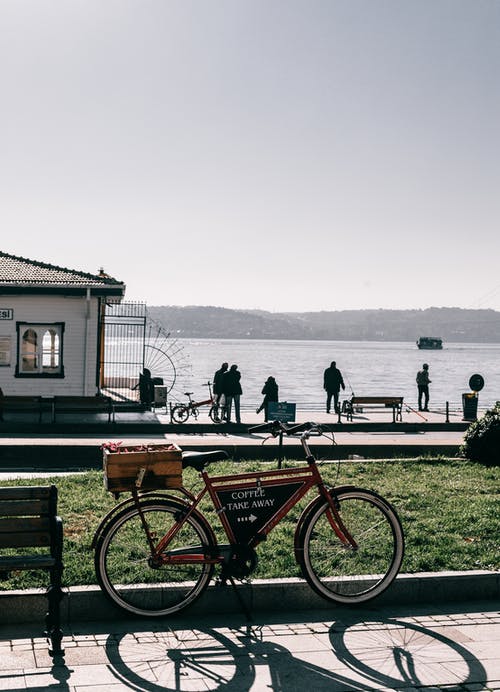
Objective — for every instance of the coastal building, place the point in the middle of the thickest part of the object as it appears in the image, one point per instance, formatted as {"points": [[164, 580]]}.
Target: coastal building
{"points": [[52, 327]]}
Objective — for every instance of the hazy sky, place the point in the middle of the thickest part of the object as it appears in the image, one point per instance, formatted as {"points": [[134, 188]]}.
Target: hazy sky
{"points": [[283, 155]]}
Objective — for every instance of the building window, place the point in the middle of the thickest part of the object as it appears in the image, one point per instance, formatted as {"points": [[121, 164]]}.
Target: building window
{"points": [[5, 350], [40, 350]]}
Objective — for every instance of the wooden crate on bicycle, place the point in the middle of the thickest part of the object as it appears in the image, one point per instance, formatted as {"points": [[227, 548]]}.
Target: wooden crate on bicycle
{"points": [[142, 467]]}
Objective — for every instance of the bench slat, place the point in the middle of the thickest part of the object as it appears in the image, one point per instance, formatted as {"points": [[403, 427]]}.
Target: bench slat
{"points": [[25, 524], [13, 562], [388, 400], [32, 492], [26, 508]]}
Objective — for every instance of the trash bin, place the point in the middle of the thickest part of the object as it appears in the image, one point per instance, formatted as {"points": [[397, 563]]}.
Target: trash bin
{"points": [[469, 405]]}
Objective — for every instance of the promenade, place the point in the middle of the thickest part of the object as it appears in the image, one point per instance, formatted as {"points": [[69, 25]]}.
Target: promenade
{"points": [[75, 442]]}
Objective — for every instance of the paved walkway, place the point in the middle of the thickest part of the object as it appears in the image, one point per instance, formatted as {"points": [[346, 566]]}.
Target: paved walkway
{"points": [[72, 448], [377, 648]]}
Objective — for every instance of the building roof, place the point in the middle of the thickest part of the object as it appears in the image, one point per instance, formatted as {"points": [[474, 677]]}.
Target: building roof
{"points": [[21, 275]]}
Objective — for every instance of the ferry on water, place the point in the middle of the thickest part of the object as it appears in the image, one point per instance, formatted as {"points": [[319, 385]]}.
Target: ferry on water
{"points": [[430, 342]]}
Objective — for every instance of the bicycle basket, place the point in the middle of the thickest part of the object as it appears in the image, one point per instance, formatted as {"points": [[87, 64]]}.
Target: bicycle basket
{"points": [[142, 467]]}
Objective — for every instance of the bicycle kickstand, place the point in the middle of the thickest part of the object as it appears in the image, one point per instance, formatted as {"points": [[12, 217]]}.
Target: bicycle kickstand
{"points": [[223, 581]]}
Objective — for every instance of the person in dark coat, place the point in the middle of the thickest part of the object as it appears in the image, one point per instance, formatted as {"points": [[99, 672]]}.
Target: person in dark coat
{"points": [[332, 382], [231, 388], [146, 387], [270, 391], [218, 384]]}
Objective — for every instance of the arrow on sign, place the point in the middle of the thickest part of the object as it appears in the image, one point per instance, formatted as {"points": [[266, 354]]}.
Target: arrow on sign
{"points": [[251, 518]]}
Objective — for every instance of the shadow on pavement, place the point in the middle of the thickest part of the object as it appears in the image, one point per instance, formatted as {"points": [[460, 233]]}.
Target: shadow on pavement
{"points": [[357, 654]]}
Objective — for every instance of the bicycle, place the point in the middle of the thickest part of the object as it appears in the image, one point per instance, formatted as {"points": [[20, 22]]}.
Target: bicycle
{"points": [[181, 412], [155, 553]]}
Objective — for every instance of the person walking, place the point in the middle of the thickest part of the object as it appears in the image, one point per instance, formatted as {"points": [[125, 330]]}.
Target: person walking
{"points": [[231, 388], [270, 391], [332, 382], [423, 383], [217, 383]]}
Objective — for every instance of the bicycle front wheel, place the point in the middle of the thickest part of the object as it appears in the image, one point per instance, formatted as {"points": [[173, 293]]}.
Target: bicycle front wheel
{"points": [[347, 574], [214, 414], [180, 413], [124, 568]]}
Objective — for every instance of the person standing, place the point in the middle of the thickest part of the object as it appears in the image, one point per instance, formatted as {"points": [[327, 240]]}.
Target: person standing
{"points": [[332, 382], [231, 388], [270, 391], [218, 384], [423, 382]]}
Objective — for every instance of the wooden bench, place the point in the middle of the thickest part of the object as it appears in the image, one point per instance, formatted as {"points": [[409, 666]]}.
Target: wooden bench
{"points": [[21, 404], [31, 538], [83, 404], [393, 402]]}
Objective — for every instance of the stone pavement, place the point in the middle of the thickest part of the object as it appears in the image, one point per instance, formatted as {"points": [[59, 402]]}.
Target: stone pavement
{"points": [[419, 647]]}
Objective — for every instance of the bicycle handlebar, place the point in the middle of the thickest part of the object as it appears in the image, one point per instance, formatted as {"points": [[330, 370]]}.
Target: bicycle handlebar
{"points": [[276, 427]]}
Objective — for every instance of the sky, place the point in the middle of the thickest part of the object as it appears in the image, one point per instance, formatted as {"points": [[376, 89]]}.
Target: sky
{"points": [[272, 154]]}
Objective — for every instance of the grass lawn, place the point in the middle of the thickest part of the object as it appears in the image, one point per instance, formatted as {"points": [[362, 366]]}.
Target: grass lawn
{"points": [[449, 509]]}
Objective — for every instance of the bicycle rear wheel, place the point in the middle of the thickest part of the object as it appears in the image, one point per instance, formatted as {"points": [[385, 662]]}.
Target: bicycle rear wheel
{"points": [[122, 560], [180, 413], [345, 574]]}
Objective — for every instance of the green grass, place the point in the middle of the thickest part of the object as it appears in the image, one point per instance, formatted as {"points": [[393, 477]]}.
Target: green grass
{"points": [[449, 509]]}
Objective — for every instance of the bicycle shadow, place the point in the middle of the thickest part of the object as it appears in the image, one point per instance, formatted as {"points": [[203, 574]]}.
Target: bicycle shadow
{"points": [[350, 657], [397, 654]]}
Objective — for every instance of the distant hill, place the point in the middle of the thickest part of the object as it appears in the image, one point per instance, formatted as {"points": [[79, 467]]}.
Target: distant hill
{"points": [[451, 324]]}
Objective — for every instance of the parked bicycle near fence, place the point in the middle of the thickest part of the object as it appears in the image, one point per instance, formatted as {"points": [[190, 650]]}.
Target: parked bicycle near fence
{"points": [[181, 412], [155, 553]]}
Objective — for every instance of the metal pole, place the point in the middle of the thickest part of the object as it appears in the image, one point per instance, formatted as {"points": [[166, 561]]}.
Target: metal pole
{"points": [[447, 412], [280, 450]]}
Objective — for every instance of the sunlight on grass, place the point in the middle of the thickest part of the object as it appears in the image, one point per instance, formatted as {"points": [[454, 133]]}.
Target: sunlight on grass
{"points": [[449, 509]]}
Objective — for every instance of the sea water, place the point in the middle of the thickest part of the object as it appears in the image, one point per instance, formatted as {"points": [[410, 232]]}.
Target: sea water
{"points": [[369, 368]]}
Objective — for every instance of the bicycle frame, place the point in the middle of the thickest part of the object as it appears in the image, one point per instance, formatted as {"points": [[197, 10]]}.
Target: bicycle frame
{"points": [[233, 496], [196, 404], [193, 405]]}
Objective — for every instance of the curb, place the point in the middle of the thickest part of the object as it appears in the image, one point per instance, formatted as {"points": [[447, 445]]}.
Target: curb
{"points": [[88, 603], [70, 457]]}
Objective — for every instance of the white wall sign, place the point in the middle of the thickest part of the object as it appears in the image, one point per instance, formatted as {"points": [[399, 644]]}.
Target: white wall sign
{"points": [[6, 313]]}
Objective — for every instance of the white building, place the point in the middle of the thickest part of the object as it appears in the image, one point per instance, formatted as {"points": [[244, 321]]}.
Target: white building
{"points": [[51, 327]]}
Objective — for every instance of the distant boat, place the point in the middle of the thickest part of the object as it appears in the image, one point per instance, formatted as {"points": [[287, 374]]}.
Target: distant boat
{"points": [[430, 342]]}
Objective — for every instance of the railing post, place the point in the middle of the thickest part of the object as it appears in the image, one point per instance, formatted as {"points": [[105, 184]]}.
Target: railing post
{"points": [[447, 412], [280, 449]]}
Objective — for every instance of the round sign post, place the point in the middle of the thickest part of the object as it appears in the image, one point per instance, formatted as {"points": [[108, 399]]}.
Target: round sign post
{"points": [[476, 383], [469, 400]]}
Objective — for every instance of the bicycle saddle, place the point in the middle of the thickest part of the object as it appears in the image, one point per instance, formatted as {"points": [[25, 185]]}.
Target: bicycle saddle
{"points": [[187, 393], [198, 460]]}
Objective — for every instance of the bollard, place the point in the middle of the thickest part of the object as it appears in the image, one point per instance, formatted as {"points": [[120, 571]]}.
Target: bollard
{"points": [[447, 412]]}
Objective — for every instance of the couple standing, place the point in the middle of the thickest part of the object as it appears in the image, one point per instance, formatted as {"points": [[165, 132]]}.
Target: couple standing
{"points": [[227, 388]]}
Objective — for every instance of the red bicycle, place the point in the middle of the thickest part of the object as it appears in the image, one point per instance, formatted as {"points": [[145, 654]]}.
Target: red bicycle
{"points": [[156, 552]]}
